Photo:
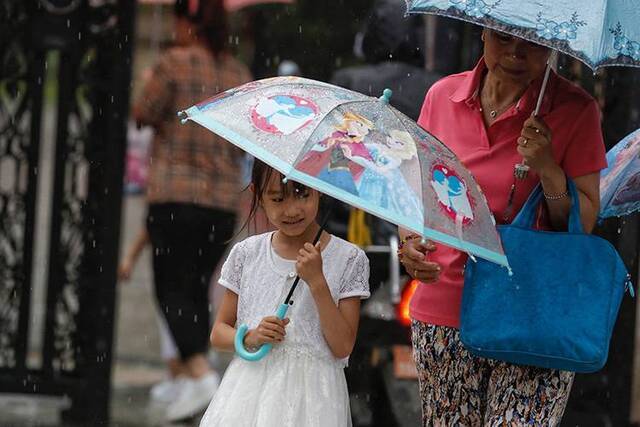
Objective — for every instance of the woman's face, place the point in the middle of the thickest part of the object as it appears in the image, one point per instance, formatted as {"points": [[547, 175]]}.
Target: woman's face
{"points": [[512, 59]]}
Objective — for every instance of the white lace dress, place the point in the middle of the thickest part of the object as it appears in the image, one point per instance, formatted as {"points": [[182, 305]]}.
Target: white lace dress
{"points": [[299, 383]]}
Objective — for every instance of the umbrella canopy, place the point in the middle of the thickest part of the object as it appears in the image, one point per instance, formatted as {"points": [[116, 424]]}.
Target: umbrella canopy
{"points": [[620, 182], [233, 5], [359, 150], [598, 32]]}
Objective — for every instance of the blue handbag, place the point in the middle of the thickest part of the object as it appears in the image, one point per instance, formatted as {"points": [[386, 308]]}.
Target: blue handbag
{"points": [[558, 307]]}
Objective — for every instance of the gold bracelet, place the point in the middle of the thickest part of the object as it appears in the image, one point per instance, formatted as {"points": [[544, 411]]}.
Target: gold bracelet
{"points": [[555, 196], [404, 241]]}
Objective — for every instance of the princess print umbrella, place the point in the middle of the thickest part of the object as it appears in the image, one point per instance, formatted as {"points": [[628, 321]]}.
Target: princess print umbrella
{"points": [[620, 182], [360, 150]]}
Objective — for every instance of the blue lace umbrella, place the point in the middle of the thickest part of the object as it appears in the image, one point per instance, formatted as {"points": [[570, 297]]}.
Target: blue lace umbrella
{"points": [[597, 32], [620, 182]]}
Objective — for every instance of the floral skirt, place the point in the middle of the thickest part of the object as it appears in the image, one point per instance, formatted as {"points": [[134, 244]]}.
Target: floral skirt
{"points": [[459, 389]]}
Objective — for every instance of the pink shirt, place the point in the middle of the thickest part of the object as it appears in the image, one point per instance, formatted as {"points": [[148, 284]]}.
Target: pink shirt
{"points": [[451, 112]]}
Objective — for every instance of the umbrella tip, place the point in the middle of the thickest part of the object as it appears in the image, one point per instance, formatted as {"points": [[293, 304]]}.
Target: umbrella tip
{"points": [[386, 95], [285, 180], [181, 113], [183, 121]]}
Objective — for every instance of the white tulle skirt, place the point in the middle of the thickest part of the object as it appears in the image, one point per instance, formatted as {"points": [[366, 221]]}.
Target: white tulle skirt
{"points": [[287, 388]]}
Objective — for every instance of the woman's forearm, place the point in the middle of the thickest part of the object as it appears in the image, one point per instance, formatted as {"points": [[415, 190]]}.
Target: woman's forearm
{"points": [[335, 328], [555, 183]]}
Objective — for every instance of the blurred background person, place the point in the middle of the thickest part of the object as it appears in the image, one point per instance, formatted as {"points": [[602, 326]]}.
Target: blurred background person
{"points": [[193, 188]]}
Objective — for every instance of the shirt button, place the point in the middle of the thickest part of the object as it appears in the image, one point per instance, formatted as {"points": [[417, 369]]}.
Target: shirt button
{"points": [[291, 275]]}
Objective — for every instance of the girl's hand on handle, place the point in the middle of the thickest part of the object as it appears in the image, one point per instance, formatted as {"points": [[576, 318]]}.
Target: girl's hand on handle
{"points": [[309, 264], [413, 255], [270, 330]]}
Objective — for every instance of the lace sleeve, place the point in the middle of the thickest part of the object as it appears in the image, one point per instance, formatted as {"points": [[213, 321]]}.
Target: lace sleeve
{"points": [[231, 273], [355, 280]]}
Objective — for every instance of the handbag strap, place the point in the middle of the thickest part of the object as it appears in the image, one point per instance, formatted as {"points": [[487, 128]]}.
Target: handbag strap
{"points": [[527, 215]]}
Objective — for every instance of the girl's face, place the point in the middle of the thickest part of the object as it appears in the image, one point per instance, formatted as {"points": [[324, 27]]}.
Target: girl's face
{"points": [[291, 213]]}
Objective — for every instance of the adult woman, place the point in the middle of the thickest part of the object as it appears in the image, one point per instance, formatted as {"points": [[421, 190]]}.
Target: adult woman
{"points": [[494, 129], [193, 188]]}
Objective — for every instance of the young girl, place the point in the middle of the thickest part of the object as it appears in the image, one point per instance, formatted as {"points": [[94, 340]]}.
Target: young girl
{"points": [[301, 381]]}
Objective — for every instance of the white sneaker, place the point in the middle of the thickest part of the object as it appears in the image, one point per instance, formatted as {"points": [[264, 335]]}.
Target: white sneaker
{"points": [[167, 390], [194, 397]]}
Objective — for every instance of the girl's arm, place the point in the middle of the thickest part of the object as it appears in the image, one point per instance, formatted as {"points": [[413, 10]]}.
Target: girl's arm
{"points": [[224, 330], [339, 323], [270, 330]]}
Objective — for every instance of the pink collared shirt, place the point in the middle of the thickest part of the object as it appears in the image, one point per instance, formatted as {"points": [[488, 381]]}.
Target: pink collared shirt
{"points": [[451, 112]]}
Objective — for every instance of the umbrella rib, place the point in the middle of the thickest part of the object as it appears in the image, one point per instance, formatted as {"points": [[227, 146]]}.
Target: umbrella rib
{"points": [[602, 33]]}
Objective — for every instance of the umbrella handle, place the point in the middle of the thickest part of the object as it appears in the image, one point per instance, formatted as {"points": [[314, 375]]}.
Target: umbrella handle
{"points": [[238, 342]]}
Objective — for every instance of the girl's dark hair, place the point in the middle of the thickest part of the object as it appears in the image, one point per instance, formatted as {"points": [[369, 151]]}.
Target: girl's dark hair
{"points": [[210, 18], [261, 174]]}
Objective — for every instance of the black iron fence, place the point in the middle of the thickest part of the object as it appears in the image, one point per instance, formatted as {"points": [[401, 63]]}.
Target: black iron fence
{"points": [[64, 87]]}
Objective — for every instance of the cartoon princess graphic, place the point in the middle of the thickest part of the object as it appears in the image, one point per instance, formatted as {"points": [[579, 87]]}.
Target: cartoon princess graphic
{"points": [[333, 159], [452, 193], [282, 114], [383, 183]]}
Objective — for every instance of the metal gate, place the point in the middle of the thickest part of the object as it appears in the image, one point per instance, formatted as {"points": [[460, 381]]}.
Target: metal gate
{"points": [[64, 92]]}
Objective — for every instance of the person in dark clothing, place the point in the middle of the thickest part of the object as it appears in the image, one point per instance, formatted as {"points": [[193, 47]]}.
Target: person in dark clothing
{"points": [[193, 188], [391, 45]]}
